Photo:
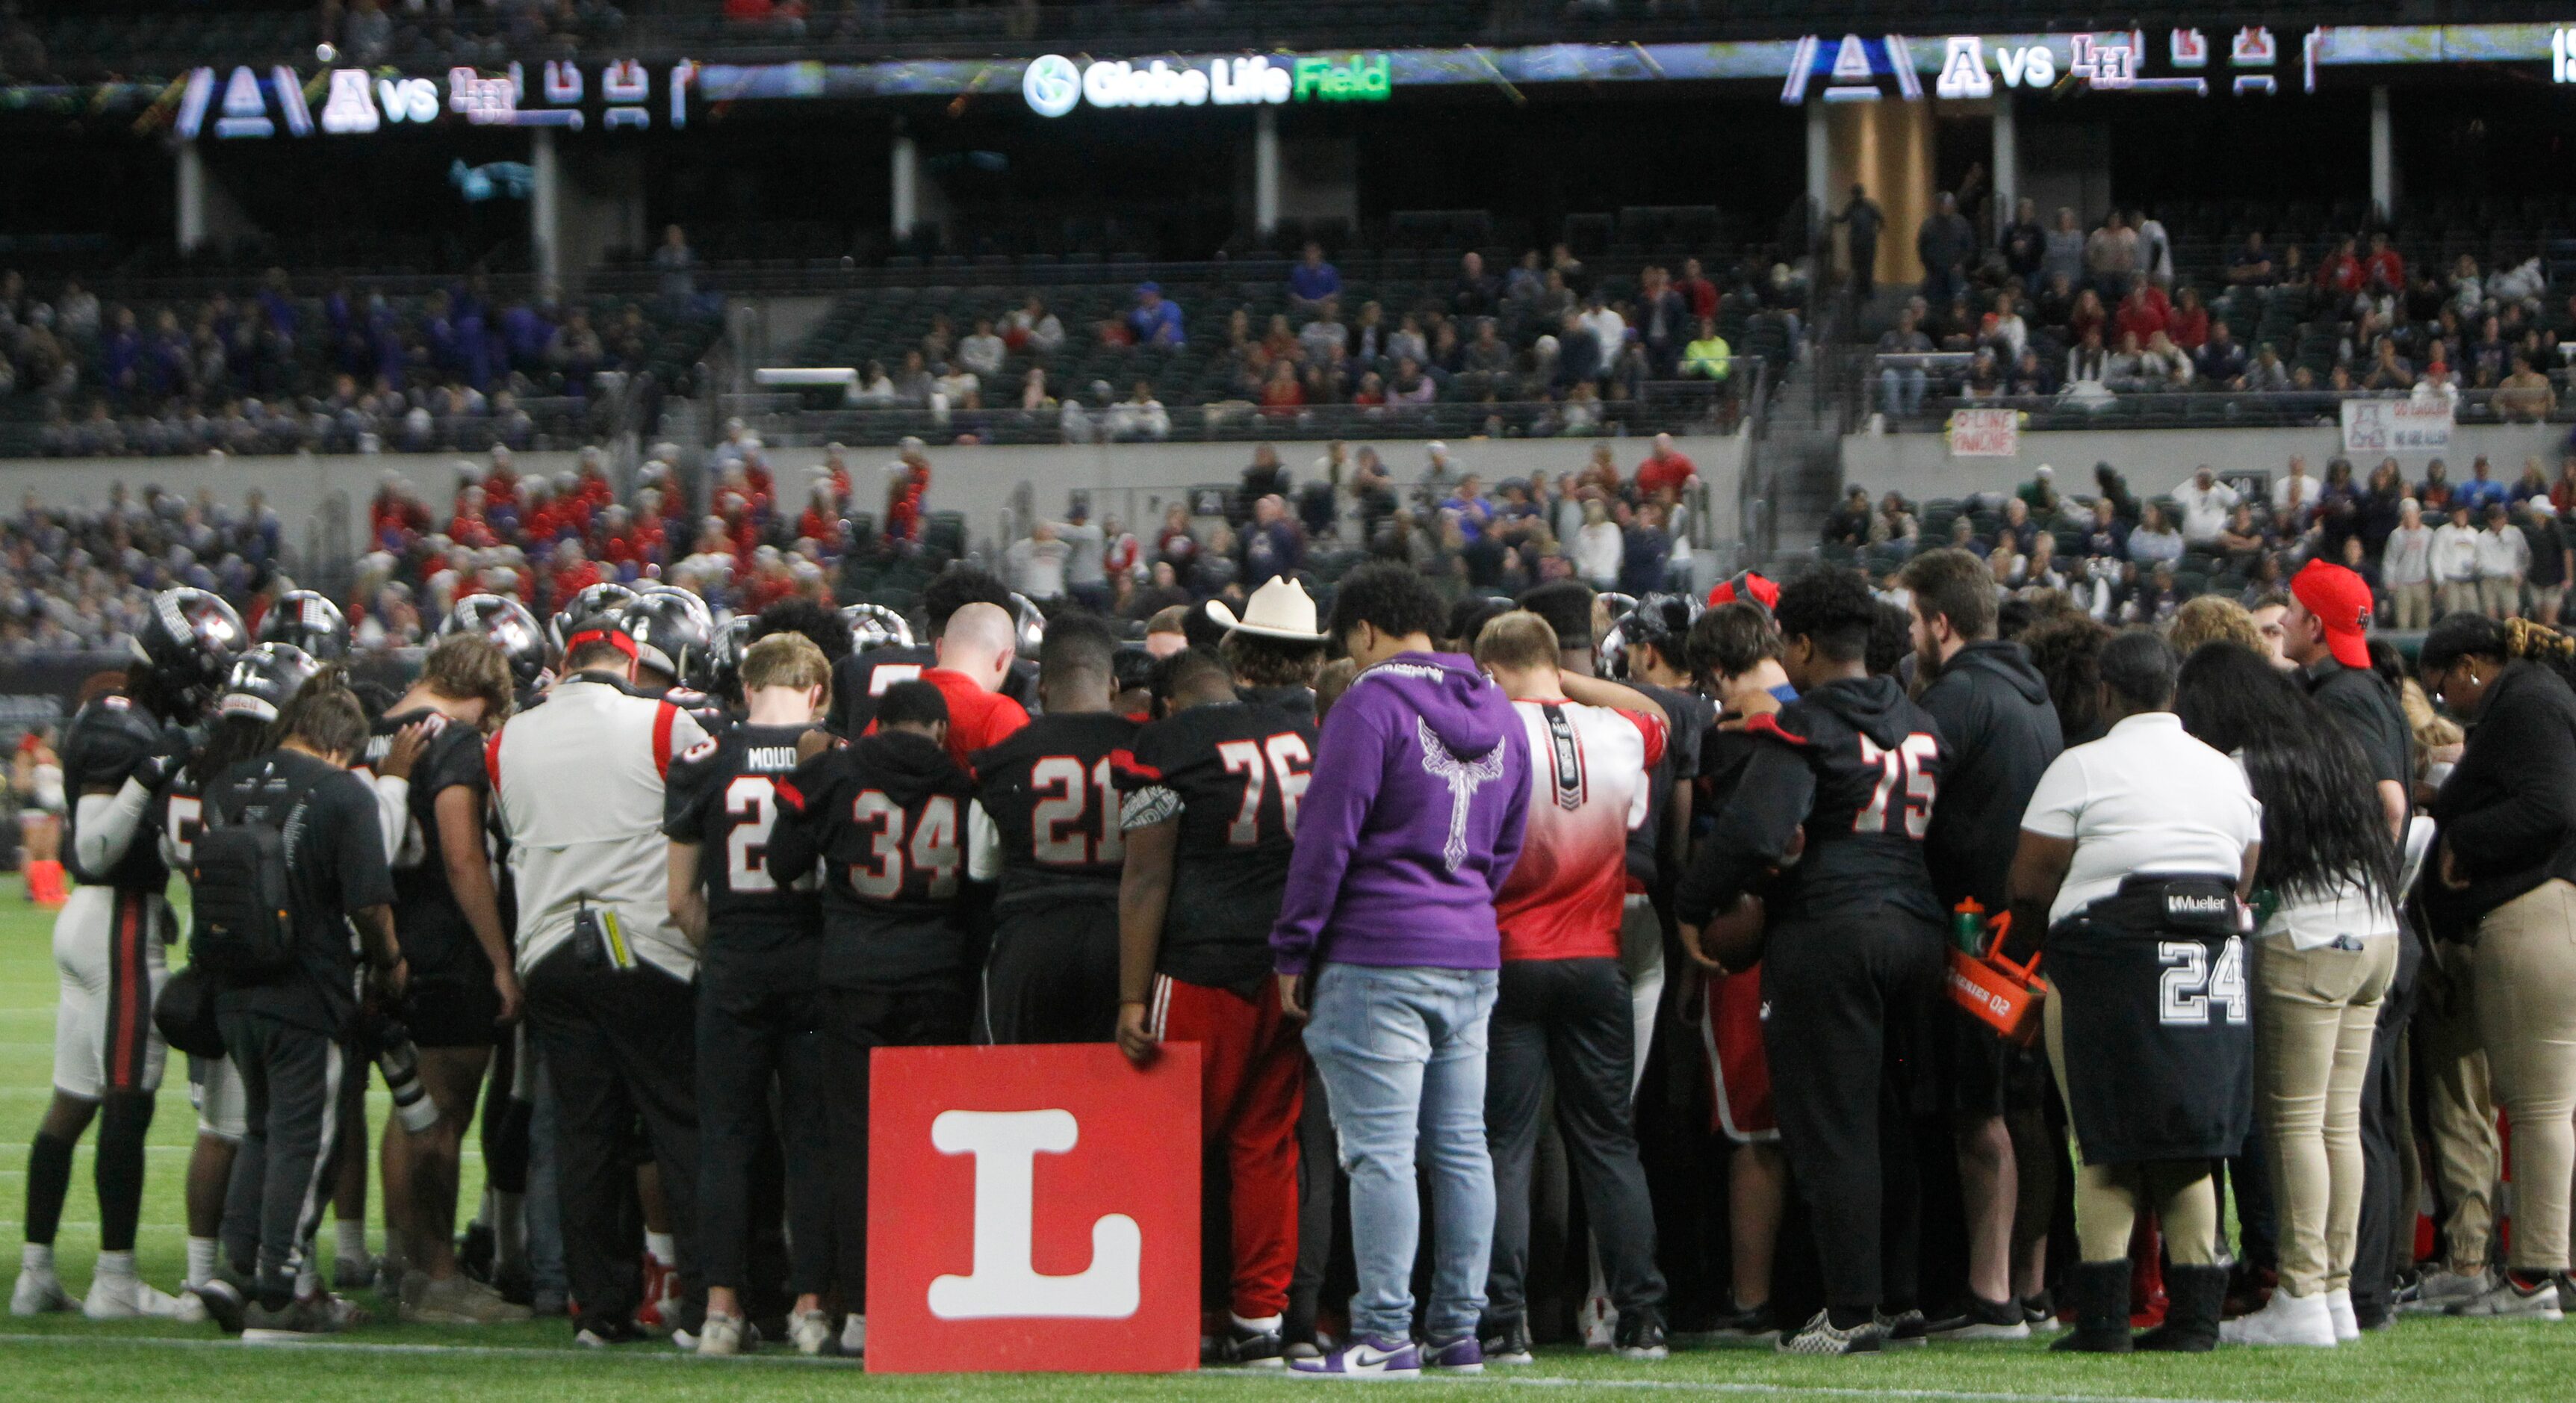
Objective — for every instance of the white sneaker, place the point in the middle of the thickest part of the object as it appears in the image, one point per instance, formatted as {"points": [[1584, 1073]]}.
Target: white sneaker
{"points": [[2286, 1320], [192, 1309], [2347, 1327], [2508, 1301], [811, 1330], [721, 1335], [854, 1336], [128, 1298], [37, 1292], [1599, 1322]]}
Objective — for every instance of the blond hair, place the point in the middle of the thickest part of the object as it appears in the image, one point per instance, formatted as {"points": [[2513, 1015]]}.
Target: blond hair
{"points": [[2210, 618], [1519, 640], [786, 660]]}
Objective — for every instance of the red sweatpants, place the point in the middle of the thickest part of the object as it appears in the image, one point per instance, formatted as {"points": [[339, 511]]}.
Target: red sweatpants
{"points": [[1252, 1083]]}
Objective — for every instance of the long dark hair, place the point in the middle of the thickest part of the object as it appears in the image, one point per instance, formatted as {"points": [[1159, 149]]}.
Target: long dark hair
{"points": [[229, 741], [2322, 823]]}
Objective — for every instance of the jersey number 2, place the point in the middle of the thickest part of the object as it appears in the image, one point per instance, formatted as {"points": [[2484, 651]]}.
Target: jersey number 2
{"points": [[748, 801], [1908, 762]]}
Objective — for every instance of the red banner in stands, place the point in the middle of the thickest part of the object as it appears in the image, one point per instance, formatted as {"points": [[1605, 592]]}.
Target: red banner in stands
{"points": [[1032, 1208]]}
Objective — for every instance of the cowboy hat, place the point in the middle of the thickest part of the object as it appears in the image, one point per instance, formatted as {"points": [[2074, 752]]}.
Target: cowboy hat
{"points": [[1279, 609]]}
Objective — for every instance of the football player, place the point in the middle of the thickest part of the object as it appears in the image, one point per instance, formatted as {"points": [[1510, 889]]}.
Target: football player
{"points": [[117, 751], [1208, 820], [759, 1006], [1045, 824], [262, 682], [885, 815], [1843, 780], [463, 989], [310, 622], [859, 679]]}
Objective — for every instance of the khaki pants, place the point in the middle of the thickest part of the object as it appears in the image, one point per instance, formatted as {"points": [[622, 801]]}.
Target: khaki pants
{"points": [[2107, 1195], [2502, 598], [2545, 600], [2459, 1109], [2526, 994], [2412, 605], [2460, 597], [2314, 1011]]}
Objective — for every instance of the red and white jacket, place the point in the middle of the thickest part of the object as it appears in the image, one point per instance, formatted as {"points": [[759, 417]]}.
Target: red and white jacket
{"points": [[1588, 790]]}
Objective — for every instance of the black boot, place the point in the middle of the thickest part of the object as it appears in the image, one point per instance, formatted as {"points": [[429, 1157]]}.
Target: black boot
{"points": [[2194, 1295], [2101, 1295]]}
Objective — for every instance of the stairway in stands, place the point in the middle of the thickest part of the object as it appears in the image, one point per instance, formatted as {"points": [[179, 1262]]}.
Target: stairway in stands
{"points": [[1796, 465]]}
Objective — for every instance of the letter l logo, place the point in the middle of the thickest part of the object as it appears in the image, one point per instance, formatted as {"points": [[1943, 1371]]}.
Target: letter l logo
{"points": [[1004, 1283]]}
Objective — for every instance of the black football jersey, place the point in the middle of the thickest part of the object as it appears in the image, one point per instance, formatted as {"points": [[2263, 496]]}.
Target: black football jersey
{"points": [[886, 818], [722, 795], [859, 679], [1856, 765], [104, 742], [1233, 775], [435, 935], [1051, 790], [1690, 715]]}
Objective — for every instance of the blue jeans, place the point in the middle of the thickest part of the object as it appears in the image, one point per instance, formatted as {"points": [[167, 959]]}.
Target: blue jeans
{"points": [[1902, 391], [1402, 1052]]}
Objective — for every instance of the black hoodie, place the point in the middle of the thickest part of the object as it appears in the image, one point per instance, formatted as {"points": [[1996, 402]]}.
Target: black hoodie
{"points": [[886, 815], [2000, 734], [1857, 765], [2508, 811]]}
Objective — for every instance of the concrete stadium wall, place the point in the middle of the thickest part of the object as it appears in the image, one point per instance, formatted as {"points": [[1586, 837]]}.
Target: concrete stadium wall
{"points": [[1920, 465], [1131, 481]]}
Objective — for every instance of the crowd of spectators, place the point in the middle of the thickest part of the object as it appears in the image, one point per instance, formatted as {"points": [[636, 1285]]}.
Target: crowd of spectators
{"points": [[371, 32], [2104, 312], [2430, 547], [75, 580], [269, 370], [1618, 530], [1543, 331]]}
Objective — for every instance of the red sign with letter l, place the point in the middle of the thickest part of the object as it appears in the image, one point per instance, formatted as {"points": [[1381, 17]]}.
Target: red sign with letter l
{"points": [[1032, 1208]]}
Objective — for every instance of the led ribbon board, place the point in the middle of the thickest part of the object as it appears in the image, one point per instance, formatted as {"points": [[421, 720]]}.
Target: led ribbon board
{"points": [[1054, 85]]}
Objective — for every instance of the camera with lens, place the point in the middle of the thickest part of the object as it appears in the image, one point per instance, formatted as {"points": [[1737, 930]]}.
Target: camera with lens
{"points": [[399, 1059]]}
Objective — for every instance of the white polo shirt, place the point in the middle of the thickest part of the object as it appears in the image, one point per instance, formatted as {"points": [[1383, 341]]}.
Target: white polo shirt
{"points": [[2148, 797]]}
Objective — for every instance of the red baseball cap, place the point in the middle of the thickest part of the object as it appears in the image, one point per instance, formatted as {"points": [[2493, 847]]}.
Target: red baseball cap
{"points": [[1750, 586], [2341, 601]]}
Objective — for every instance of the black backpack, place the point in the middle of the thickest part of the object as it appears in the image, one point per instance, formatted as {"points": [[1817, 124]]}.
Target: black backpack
{"points": [[243, 926]]}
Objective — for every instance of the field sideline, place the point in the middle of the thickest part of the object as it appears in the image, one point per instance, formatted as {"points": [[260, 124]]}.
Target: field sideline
{"points": [[66, 1357]]}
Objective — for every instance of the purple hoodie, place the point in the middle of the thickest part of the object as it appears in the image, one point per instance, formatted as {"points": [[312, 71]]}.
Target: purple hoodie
{"points": [[1411, 821]]}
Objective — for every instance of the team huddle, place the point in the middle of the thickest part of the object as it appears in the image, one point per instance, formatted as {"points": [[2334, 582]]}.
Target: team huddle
{"points": [[1430, 890]]}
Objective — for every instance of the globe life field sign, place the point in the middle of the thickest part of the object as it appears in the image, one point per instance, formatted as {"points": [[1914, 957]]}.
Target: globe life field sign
{"points": [[1054, 85]]}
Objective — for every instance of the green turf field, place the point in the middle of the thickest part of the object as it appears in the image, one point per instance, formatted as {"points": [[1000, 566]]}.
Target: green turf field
{"points": [[66, 1357]]}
